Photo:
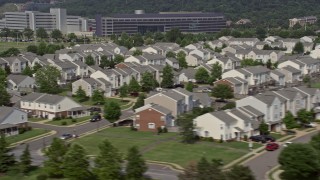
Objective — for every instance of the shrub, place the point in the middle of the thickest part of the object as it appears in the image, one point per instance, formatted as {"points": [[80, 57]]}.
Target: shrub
{"points": [[74, 120], [56, 118], [159, 130], [245, 138], [165, 130], [221, 140], [70, 117], [22, 130], [132, 128], [42, 177], [63, 123]]}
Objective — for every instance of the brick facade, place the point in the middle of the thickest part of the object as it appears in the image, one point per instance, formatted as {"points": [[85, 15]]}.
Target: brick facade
{"points": [[144, 118]]}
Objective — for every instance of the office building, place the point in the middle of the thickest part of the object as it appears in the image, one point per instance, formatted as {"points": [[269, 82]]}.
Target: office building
{"points": [[139, 22]]}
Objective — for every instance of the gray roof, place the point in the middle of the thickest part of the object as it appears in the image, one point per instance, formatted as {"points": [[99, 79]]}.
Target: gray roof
{"points": [[5, 112], [183, 91], [246, 73], [223, 116], [278, 73], [107, 83], [173, 60], [266, 98], [291, 69], [174, 95], [50, 99], [31, 97], [239, 114], [17, 79], [161, 109], [203, 98], [66, 65], [233, 80], [289, 93], [91, 81], [309, 91], [257, 69], [196, 56], [189, 72], [308, 60], [252, 110]]}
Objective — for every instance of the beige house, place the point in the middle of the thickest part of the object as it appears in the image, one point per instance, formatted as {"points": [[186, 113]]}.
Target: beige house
{"points": [[89, 85]]}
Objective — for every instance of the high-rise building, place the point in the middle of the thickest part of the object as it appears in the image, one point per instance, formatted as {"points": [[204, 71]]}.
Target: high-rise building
{"points": [[189, 22]]}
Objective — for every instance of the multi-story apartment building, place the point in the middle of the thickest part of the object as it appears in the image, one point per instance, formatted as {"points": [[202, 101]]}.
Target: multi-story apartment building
{"points": [[191, 22]]}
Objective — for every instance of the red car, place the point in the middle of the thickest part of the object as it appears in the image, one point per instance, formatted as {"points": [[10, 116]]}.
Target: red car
{"points": [[272, 146]]}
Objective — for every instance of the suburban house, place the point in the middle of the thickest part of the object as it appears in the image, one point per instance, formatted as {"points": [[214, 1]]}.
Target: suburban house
{"points": [[264, 55], [289, 44], [302, 21], [270, 105], [17, 64], [51, 106], [194, 60], [173, 62], [187, 75], [278, 77], [216, 44], [308, 39], [147, 59], [89, 85], [238, 85], [20, 83], [226, 62], [254, 75], [203, 53], [291, 74], [11, 119], [305, 64], [240, 41], [150, 117], [313, 96], [170, 99]]}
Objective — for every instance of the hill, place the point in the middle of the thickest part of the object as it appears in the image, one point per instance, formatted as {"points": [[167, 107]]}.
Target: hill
{"points": [[265, 12]]}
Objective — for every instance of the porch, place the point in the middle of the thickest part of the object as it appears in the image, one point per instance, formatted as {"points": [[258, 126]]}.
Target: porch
{"points": [[9, 129], [78, 112]]}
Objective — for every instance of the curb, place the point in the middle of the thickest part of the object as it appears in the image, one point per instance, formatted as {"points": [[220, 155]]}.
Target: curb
{"points": [[33, 138], [172, 166], [271, 172]]}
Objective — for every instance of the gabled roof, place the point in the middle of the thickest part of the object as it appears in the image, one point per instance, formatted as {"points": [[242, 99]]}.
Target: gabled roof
{"points": [[224, 117], [183, 91], [156, 107], [266, 98], [202, 97], [291, 69], [257, 69], [277, 72], [240, 115], [189, 72], [306, 90], [17, 79], [50, 99], [251, 110], [91, 81], [5, 112]]}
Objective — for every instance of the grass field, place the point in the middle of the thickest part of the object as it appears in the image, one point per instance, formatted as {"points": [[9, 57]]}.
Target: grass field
{"points": [[315, 85], [164, 147], [28, 134], [277, 135], [68, 121]]}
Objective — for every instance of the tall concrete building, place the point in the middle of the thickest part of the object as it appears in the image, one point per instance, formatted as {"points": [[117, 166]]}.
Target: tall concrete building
{"points": [[57, 18], [139, 22]]}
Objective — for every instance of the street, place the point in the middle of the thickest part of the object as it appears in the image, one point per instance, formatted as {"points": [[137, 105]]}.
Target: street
{"points": [[155, 171], [263, 163]]}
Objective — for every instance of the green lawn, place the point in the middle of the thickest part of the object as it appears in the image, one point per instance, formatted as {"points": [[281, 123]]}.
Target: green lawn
{"points": [[315, 85], [277, 135], [35, 119], [68, 121], [165, 147], [28, 134], [31, 176]]}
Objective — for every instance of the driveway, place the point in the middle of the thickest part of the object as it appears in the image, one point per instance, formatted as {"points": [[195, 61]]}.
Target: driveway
{"points": [[263, 163], [155, 171]]}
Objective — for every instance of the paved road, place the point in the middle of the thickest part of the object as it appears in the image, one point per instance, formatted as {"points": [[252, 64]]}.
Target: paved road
{"points": [[263, 163], [155, 171]]}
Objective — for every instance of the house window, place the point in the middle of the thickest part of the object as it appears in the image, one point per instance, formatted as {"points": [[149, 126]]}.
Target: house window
{"points": [[221, 136], [275, 116], [162, 118], [51, 107], [137, 116], [137, 126], [151, 125], [23, 103], [275, 106], [280, 114], [206, 134], [45, 106], [221, 126], [38, 104], [59, 106], [29, 104], [16, 64], [247, 124]]}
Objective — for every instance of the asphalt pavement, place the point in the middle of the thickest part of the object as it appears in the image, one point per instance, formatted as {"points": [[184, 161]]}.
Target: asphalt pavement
{"points": [[266, 161], [160, 172]]}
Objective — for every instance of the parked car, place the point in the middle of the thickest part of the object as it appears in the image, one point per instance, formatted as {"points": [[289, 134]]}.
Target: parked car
{"points": [[286, 144], [178, 85], [134, 94], [95, 109], [290, 132], [206, 90], [269, 138], [310, 125], [66, 136], [95, 118], [258, 138], [272, 146], [159, 89]]}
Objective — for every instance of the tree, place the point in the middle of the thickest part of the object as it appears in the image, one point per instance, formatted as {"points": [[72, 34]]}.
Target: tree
{"points": [[42, 49], [181, 57], [134, 85], [10, 52], [250, 62], [186, 126], [205, 169], [307, 79], [5, 32], [140, 101], [216, 72], [6, 160], [5, 96], [137, 40], [299, 161], [298, 48], [173, 35], [290, 121], [56, 34], [189, 173], [76, 164], [136, 165], [47, 79], [108, 162], [98, 97], [36, 67], [89, 60], [28, 33], [202, 75], [167, 77], [27, 71], [269, 64], [72, 36], [32, 48], [41, 33], [148, 82], [261, 32], [81, 94], [171, 54], [239, 172], [137, 52], [305, 116], [112, 111], [222, 91], [104, 62], [3, 77], [315, 142], [118, 59], [189, 86], [263, 128], [123, 91], [25, 161], [55, 156]]}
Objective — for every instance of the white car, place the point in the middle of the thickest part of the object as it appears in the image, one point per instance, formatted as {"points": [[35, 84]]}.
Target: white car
{"points": [[206, 90], [286, 144], [313, 124]]}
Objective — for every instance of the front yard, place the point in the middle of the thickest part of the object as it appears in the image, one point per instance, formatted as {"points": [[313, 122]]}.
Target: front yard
{"points": [[68, 122], [26, 135], [164, 147]]}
